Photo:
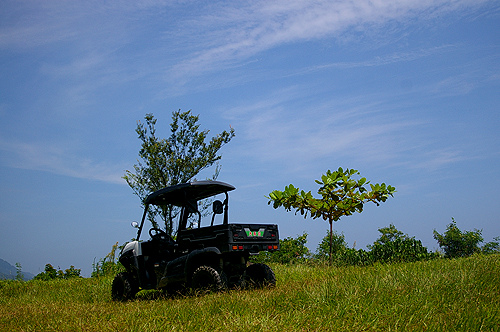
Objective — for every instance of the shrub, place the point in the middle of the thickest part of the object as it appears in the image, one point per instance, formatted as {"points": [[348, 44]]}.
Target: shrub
{"points": [[392, 246], [395, 246], [292, 250], [339, 247], [342, 255], [400, 250], [492, 247], [107, 266], [456, 243], [354, 256]]}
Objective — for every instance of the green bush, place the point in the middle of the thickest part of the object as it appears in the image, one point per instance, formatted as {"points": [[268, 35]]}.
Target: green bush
{"points": [[342, 255], [392, 246], [400, 250], [292, 251], [107, 266], [354, 257], [395, 246], [492, 247], [456, 243], [339, 247]]}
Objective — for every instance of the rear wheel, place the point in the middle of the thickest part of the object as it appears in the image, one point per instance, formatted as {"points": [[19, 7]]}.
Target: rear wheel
{"points": [[260, 275], [124, 287], [207, 278]]}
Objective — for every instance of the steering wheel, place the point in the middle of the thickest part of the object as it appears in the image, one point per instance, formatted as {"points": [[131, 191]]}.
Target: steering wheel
{"points": [[157, 233]]}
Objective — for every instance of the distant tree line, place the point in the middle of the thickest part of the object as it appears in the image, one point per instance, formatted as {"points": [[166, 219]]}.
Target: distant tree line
{"points": [[50, 273], [392, 246]]}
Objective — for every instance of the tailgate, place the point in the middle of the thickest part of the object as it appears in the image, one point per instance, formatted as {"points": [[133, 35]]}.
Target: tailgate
{"points": [[233, 237], [254, 237]]}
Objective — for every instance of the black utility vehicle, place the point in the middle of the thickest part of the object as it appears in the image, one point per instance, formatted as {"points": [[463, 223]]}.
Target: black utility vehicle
{"points": [[213, 255]]}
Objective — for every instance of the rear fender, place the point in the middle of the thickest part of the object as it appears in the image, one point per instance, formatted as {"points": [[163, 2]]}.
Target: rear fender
{"points": [[208, 256]]}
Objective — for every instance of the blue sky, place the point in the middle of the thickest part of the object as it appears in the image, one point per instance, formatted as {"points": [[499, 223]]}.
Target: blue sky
{"points": [[407, 92]]}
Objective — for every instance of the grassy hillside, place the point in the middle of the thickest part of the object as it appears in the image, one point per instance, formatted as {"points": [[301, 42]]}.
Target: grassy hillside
{"points": [[438, 295]]}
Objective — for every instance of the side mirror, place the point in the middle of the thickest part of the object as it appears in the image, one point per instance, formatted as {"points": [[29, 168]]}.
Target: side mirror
{"points": [[135, 224], [217, 207]]}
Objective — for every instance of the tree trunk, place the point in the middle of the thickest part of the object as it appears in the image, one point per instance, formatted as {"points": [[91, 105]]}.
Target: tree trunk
{"points": [[331, 242]]}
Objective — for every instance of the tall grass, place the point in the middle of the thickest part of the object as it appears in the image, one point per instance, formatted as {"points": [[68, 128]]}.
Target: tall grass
{"points": [[438, 295]]}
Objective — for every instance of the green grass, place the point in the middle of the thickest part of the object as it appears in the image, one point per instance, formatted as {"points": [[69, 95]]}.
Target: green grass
{"points": [[437, 295]]}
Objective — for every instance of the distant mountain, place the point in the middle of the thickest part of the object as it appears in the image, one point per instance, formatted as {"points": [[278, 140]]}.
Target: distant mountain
{"points": [[8, 271]]}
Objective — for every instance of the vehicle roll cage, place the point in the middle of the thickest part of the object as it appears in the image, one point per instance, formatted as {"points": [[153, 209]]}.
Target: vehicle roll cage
{"points": [[186, 196]]}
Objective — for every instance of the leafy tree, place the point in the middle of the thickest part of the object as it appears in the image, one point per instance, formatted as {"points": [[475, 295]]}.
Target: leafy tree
{"points": [[456, 243], [48, 274], [72, 272], [173, 160], [341, 195]]}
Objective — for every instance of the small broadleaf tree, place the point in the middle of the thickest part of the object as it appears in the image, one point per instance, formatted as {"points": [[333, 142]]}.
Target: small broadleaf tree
{"points": [[177, 159], [340, 195]]}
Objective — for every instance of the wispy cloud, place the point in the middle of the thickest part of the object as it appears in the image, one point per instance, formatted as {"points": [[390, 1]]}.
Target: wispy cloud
{"points": [[374, 130], [365, 129], [58, 160], [388, 59], [221, 35], [235, 32], [31, 24], [470, 76], [242, 32]]}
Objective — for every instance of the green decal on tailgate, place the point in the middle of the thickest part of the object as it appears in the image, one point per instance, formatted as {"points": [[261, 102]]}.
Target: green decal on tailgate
{"points": [[259, 233]]}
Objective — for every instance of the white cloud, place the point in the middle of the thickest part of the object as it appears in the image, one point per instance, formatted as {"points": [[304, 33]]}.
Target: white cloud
{"points": [[276, 130], [264, 24], [374, 130], [31, 24], [221, 35], [59, 160], [436, 159]]}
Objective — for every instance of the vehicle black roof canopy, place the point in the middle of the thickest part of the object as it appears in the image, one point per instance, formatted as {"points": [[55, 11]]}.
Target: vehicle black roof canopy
{"points": [[181, 193]]}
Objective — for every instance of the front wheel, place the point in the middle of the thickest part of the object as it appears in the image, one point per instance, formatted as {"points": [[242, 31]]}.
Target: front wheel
{"points": [[124, 287], [260, 275]]}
